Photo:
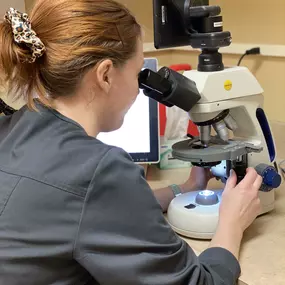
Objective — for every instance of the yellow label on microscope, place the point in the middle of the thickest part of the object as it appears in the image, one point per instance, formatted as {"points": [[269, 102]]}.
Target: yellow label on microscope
{"points": [[228, 85]]}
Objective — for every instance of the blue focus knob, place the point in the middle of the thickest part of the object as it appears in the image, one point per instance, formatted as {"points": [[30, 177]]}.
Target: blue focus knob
{"points": [[270, 176]]}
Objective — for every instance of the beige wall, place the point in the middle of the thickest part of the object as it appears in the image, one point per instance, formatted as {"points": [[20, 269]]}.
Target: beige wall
{"points": [[6, 4], [29, 4], [254, 21]]}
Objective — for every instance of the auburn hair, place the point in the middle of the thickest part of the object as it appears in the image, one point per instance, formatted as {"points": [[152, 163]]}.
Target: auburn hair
{"points": [[77, 34]]}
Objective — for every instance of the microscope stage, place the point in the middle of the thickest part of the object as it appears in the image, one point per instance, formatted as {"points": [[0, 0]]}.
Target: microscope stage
{"points": [[193, 151]]}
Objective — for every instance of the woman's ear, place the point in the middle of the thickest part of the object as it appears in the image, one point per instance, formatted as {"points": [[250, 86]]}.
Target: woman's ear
{"points": [[104, 74]]}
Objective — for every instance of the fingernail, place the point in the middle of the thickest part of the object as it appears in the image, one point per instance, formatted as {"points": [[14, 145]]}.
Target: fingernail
{"points": [[231, 172]]}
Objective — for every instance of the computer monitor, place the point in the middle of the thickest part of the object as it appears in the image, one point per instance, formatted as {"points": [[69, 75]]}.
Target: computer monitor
{"points": [[139, 134]]}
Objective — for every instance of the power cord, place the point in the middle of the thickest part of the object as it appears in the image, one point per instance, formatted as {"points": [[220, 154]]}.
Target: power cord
{"points": [[255, 50]]}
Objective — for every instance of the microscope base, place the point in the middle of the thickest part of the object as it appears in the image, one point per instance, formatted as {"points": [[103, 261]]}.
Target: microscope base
{"points": [[190, 219]]}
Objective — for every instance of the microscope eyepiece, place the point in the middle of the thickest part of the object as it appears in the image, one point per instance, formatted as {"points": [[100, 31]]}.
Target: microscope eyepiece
{"points": [[169, 88], [150, 80]]}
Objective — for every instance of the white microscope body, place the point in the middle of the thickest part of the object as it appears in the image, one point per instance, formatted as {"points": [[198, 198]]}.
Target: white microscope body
{"points": [[237, 91]]}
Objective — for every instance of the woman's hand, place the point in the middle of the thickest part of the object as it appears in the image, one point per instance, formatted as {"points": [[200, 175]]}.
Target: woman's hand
{"points": [[240, 203], [239, 207], [198, 179]]}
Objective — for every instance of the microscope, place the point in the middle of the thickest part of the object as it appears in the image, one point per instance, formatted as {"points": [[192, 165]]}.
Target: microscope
{"points": [[226, 103]]}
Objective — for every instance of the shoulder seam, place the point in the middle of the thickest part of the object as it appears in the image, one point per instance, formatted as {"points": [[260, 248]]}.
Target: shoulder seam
{"points": [[63, 188]]}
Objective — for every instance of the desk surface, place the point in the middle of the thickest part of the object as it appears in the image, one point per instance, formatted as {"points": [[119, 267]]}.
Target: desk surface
{"points": [[262, 255]]}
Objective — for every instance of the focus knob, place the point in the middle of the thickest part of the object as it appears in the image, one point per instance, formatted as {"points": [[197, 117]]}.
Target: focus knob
{"points": [[271, 178]]}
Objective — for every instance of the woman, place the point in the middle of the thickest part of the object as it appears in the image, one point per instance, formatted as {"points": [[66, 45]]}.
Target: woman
{"points": [[72, 209]]}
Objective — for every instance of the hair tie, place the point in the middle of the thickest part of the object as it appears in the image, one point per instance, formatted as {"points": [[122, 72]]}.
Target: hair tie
{"points": [[24, 34]]}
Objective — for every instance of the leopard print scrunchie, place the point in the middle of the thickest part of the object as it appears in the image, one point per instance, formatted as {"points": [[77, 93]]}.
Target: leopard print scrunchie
{"points": [[23, 33]]}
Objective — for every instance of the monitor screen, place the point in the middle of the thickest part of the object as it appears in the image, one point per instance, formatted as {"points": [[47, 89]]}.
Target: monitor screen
{"points": [[139, 134]]}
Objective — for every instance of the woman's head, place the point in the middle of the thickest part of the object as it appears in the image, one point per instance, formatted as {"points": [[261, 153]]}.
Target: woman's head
{"points": [[89, 45]]}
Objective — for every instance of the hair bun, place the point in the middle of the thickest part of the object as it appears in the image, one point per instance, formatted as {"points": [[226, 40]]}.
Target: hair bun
{"points": [[24, 34]]}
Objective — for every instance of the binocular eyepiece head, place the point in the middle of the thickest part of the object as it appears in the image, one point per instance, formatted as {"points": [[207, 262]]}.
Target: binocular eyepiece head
{"points": [[170, 88]]}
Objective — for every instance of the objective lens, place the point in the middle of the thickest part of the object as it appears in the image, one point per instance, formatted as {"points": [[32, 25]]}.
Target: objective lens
{"points": [[222, 130], [231, 123], [205, 134]]}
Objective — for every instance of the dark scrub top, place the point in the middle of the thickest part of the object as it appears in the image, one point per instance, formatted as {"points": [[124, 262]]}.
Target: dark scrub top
{"points": [[76, 211]]}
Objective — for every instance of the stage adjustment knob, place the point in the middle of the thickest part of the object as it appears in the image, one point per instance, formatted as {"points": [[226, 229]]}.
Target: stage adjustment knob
{"points": [[271, 178]]}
